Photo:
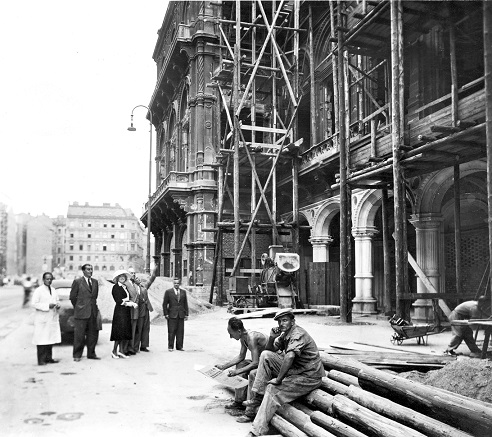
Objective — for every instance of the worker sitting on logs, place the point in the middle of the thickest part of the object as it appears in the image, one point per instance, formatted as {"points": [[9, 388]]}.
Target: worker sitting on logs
{"points": [[282, 378], [253, 341], [472, 309]]}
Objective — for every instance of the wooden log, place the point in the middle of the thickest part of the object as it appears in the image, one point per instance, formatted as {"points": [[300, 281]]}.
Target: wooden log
{"points": [[333, 387], [464, 414], [285, 428], [444, 129], [329, 423], [321, 400], [368, 421], [347, 365], [343, 378], [302, 421], [425, 424]]}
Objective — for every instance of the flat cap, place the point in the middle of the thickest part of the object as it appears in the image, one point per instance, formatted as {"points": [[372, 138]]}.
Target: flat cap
{"points": [[284, 312]]}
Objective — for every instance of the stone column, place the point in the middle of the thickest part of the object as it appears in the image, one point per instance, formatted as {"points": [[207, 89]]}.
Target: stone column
{"points": [[428, 229], [364, 301], [320, 248]]}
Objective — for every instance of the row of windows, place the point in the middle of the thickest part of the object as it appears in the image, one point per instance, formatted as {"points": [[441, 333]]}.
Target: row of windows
{"points": [[123, 235], [104, 258], [97, 268], [98, 225], [96, 247]]}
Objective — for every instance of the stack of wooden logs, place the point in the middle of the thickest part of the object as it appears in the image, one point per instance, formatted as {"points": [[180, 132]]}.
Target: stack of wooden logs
{"points": [[356, 400]]}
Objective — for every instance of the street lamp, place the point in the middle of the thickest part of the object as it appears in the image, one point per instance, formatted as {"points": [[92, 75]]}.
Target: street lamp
{"points": [[149, 207]]}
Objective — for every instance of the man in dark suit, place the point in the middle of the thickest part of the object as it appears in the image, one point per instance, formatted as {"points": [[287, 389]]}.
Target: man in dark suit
{"points": [[141, 340], [175, 308], [83, 296]]}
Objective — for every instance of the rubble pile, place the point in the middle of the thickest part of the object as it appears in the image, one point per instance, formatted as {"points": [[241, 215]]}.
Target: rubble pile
{"points": [[467, 377], [359, 400]]}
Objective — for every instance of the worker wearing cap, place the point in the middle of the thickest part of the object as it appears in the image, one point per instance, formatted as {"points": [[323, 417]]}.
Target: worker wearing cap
{"points": [[282, 378]]}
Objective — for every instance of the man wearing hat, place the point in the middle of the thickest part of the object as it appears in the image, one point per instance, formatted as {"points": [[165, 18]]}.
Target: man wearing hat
{"points": [[282, 378]]}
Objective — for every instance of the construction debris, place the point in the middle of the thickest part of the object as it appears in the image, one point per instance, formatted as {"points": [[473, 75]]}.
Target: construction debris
{"points": [[356, 399]]}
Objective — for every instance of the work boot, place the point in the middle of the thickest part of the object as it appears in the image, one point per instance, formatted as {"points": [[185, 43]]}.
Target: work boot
{"points": [[234, 406], [254, 402]]}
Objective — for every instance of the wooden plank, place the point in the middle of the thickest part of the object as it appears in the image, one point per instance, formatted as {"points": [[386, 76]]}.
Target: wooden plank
{"points": [[263, 129], [427, 283]]}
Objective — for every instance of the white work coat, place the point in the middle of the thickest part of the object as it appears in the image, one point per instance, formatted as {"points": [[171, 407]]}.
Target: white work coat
{"points": [[46, 322]]}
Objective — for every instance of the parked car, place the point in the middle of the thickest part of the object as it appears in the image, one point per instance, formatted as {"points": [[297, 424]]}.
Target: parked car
{"points": [[63, 287]]}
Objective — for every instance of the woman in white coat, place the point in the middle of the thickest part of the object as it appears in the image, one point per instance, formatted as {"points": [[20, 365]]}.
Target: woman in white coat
{"points": [[46, 323]]}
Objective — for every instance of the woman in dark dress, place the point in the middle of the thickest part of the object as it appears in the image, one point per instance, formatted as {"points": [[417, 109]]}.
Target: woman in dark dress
{"points": [[121, 328]]}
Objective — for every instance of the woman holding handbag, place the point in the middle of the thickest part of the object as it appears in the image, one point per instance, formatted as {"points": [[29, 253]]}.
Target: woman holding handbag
{"points": [[121, 328]]}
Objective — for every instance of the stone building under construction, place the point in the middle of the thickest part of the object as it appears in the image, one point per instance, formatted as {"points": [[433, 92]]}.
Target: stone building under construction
{"points": [[354, 133]]}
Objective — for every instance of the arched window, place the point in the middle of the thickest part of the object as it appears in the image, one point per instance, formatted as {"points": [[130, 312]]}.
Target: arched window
{"points": [[185, 126], [96, 268]]}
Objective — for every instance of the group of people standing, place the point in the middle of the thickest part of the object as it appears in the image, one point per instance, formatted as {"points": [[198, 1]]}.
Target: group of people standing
{"points": [[130, 329]]}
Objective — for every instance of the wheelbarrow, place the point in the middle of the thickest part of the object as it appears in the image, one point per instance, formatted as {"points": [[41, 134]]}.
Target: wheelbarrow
{"points": [[405, 330]]}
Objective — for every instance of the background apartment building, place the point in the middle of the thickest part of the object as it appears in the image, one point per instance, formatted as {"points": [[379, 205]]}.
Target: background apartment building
{"points": [[108, 237]]}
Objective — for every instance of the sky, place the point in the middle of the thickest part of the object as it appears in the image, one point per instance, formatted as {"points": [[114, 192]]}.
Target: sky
{"points": [[71, 74]]}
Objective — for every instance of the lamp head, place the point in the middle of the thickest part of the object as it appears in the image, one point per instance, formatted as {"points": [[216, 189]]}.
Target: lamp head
{"points": [[131, 128]]}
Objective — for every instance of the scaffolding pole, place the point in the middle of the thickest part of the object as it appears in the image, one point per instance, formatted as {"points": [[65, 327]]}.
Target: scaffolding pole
{"points": [[397, 141], [344, 203], [487, 42]]}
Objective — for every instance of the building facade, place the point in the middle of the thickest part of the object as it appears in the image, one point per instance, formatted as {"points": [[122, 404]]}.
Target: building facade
{"points": [[59, 259], [109, 237], [8, 246], [352, 132], [39, 240]]}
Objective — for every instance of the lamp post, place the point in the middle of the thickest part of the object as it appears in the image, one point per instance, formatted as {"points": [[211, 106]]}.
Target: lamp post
{"points": [[149, 206]]}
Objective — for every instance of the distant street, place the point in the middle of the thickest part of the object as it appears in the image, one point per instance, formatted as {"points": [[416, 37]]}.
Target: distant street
{"points": [[11, 312]]}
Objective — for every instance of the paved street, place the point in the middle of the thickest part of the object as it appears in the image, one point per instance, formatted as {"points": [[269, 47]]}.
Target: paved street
{"points": [[151, 393]]}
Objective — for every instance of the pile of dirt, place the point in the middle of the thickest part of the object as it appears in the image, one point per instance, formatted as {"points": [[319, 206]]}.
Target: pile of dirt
{"points": [[106, 303], [467, 377]]}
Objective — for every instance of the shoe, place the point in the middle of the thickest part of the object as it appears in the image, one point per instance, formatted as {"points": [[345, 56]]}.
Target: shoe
{"points": [[77, 359], [244, 419], [113, 355], [52, 361], [254, 402], [130, 353], [234, 406], [122, 355], [170, 349], [144, 349], [449, 352], [181, 350], [42, 364], [95, 357]]}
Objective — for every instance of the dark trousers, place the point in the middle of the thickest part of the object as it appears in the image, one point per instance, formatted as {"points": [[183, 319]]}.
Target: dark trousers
{"points": [[130, 344], [142, 335], [175, 330], [86, 333], [45, 353]]}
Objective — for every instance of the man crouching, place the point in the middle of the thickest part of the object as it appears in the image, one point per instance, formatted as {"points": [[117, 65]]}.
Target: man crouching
{"points": [[282, 378]]}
